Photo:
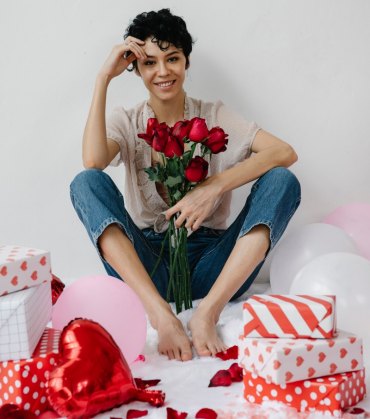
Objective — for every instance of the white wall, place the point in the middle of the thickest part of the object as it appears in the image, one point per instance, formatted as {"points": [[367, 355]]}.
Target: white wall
{"points": [[299, 68]]}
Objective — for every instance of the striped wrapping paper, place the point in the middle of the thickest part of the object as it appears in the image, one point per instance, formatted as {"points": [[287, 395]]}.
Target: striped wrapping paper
{"points": [[289, 316]]}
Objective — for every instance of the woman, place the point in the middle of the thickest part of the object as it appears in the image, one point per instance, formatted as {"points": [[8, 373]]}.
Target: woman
{"points": [[128, 233]]}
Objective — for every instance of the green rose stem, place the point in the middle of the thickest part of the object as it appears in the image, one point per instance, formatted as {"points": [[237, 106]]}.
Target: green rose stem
{"points": [[179, 283]]}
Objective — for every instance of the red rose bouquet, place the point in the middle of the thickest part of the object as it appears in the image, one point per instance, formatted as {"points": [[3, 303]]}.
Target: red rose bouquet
{"points": [[179, 172]]}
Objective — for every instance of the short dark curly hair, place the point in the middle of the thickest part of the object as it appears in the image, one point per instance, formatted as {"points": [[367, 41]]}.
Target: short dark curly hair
{"points": [[164, 28]]}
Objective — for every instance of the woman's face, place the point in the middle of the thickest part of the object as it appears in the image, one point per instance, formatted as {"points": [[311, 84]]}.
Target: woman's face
{"points": [[163, 72]]}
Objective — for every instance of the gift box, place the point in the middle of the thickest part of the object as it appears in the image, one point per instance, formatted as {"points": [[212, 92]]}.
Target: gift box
{"points": [[23, 317], [22, 267], [23, 382], [283, 361], [328, 395], [289, 316]]}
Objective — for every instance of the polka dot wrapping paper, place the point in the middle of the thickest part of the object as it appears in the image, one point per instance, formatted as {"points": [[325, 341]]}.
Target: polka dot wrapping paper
{"points": [[289, 316], [329, 395], [282, 361], [23, 382], [22, 267]]}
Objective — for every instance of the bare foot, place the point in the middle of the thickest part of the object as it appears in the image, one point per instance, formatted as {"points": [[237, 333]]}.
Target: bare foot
{"points": [[172, 338], [204, 334]]}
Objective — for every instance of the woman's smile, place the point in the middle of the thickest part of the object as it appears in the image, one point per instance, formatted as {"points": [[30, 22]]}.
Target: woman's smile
{"points": [[165, 85]]}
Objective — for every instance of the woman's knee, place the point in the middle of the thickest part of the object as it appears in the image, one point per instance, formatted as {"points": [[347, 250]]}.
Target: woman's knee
{"points": [[86, 179], [283, 180]]}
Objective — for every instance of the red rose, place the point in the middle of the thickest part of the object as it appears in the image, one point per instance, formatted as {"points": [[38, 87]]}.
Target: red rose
{"points": [[198, 130], [196, 170], [174, 146], [160, 137], [151, 126], [217, 140], [181, 129]]}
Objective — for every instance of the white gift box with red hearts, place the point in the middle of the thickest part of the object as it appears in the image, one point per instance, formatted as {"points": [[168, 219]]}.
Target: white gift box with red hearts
{"points": [[282, 361], [22, 267], [23, 317]]}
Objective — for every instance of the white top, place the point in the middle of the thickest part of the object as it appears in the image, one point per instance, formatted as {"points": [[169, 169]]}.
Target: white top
{"points": [[142, 200]]}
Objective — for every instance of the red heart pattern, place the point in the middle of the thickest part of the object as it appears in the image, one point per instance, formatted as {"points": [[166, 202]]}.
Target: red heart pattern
{"points": [[309, 347], [311, 372], [287, 351], [343, 352], [299, 361], [92, 375], [276, 364], [288, 376], [354, 364], [322, 357], [30, 268], [307, 359]]}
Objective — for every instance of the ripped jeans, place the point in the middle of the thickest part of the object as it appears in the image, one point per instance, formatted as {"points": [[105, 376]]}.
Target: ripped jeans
{"points": [[274, 198]]}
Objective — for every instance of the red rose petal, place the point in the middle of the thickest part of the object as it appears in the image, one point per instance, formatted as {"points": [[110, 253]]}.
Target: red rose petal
{"points": [[140, 357], [174, 414], [222, 378], [206, 413], [236, 372], [134, 413], [356, 411], [231, 353], [143, 384]]}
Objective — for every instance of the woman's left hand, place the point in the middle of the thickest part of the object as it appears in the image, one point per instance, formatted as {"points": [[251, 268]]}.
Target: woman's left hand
{"points": [[196, 205]]}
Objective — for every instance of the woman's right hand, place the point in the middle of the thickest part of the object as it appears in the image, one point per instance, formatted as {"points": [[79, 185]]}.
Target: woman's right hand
{"points": [[119, 60]]}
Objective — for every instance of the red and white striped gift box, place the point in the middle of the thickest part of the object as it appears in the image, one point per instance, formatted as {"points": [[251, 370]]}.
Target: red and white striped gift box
{"points": [[289, 316]]}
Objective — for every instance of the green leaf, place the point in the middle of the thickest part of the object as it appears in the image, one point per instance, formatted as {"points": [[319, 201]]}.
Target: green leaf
{"points": [[155, 173], [185, 158], [177, 196], [172, 181], [172, 167]]}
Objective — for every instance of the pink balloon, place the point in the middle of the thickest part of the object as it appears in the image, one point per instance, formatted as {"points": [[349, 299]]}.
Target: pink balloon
{"points": [[354, 219], [109, 302]]}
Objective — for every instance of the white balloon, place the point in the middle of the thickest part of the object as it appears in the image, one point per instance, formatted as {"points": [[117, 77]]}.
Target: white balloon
{"points": [[347, 276], [300, 247]]}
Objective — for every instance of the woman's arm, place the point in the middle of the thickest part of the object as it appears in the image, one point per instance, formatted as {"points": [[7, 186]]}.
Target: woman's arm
{"points": [[97, 150], [268, 152]]}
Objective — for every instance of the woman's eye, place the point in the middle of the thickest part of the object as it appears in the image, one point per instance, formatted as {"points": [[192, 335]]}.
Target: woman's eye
{"points": [[173, 59], [149, 63]]}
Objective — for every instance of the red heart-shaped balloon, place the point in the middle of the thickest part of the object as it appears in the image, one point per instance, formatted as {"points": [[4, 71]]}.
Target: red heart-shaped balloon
{"points": [[92, 374]]}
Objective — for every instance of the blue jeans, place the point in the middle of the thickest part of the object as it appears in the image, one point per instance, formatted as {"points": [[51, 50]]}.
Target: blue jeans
{"points": [[274, 198]]}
